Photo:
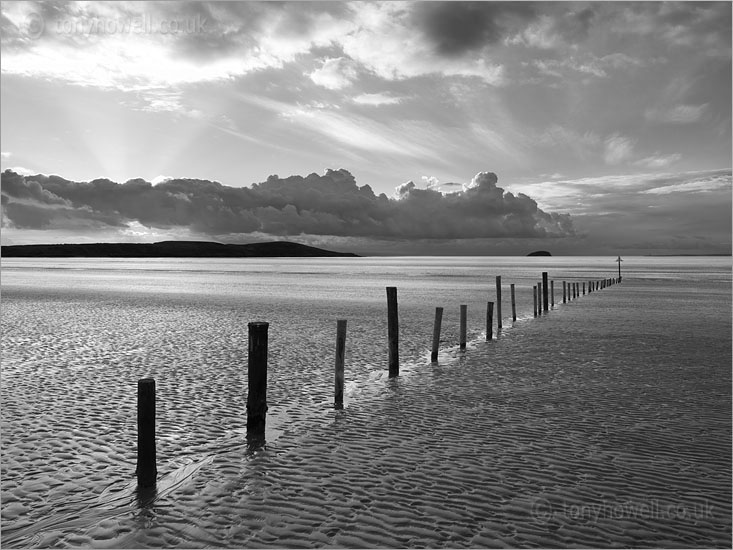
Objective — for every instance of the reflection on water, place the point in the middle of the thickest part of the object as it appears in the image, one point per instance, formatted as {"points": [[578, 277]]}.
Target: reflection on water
{"points": [[615, 399]]}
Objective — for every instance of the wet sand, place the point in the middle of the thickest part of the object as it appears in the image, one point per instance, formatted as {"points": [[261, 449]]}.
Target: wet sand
{"points": [[572, 430]]}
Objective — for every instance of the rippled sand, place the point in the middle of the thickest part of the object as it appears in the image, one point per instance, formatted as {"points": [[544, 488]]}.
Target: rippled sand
{"points": [[602, 424]]}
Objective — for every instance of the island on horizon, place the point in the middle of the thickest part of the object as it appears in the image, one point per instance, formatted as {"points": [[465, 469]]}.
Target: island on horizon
{"points": [[171, 249]]}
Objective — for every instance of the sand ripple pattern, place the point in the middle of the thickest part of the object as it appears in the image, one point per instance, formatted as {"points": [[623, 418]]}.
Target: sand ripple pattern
{"points": [[574, 429]]}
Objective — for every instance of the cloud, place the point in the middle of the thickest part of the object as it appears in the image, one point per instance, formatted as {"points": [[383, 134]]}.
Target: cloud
{"points": [[125, 46], [699, 183], [628, 192], [397, 41], [455, 28], [696, 26], [618, 149], [377, 99], [658, 160], [329, 204], [679, 114], [132, 46], [160, 179], [430, 181], [583, 145], [335, 73]]}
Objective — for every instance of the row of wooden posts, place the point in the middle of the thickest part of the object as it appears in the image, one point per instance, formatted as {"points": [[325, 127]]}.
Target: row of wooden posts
{"points": [[544, 298]]}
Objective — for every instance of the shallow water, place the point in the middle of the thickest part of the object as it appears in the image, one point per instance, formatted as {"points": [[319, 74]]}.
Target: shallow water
{"points": [[605, 423]]}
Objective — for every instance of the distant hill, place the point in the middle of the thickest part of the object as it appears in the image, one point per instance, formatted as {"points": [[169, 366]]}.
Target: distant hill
{"points": [[169, 249], [539, 253]]}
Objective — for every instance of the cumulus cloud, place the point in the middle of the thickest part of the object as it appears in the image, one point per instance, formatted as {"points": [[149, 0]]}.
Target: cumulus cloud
{"points": [[431, 181], [331, 204]]}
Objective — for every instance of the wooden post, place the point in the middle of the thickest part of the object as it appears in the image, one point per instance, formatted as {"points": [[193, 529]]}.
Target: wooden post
{"points": [[545, 293], [498, 302], [338, 401], [393, 332], [146, 470], [552, 293], [514, 304], [257, 379], [436, 333], [539, 298], [534, 292], [490, 318], [464, 309], [583, 288], [564, 285]]}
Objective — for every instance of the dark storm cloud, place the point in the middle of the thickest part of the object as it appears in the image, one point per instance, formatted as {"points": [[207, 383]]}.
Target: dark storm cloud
{"points": [[459, 27], [329, 204]]}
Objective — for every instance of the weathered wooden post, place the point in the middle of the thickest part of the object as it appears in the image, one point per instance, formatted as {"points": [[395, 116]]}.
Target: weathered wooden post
{"points": [[539, 298], [257, 379], [583, 288], [534, 293], [498, 302], [514, 304], [146, 470], [545, 292], [393, 332], [436, 334], [338, 400], [552, 293], [464, 309], [564, 285], [490, 318]]}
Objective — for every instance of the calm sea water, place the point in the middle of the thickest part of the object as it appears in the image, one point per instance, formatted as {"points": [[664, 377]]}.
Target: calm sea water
{"points": [[604, 423]]}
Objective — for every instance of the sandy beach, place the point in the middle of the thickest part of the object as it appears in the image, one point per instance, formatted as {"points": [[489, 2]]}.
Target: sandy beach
{"points": [[572, 429]]}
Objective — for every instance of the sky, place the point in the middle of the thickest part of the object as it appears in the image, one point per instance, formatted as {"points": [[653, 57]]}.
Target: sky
{"points": [[378, 128]]}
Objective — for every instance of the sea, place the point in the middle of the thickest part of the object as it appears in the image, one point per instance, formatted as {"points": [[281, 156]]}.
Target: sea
{"points": [[604, 422]]}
